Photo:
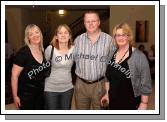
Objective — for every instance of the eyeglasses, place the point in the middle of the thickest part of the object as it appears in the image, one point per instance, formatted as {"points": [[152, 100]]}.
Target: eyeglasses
{"points": [[123, 35]]}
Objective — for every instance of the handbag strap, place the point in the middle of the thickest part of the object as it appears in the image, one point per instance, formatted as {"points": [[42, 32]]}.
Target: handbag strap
{"points": [[51, 54]]}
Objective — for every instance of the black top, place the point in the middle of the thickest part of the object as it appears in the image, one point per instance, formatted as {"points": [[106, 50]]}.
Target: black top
{"points": [[118, 75], [121, 91], [32, 77]]}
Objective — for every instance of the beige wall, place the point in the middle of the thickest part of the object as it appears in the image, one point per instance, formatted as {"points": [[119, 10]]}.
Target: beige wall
{"points": [[131, 14], [14, 24], [18, 19], [47, 20]]}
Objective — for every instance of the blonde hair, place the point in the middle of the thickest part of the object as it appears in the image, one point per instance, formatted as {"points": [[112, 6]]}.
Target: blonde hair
{"points": [[127, 30], [26, 38], [55, 41]]}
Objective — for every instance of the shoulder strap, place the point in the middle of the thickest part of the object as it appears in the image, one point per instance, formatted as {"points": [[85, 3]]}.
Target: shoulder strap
{"points": [[51, 53]]}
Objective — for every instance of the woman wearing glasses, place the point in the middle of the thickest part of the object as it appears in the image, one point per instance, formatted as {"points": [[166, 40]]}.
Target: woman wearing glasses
{"points": [[128, 74]]}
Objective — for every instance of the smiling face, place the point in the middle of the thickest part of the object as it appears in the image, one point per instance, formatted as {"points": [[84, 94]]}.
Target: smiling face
{"points": [[34, 35], [121, 37], [63, 35], [91, 22]]}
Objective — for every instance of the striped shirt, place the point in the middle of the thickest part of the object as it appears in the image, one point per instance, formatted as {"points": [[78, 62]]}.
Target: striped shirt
{"points": [[89, 65]]}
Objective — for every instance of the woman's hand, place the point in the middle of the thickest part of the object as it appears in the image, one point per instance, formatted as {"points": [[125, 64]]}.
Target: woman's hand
{"points": [[142, 106], [143, 103], [17, 102]]}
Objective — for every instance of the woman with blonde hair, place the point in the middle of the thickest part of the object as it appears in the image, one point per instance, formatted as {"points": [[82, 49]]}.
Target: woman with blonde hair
{"points": [[28, 71], [58, 86], [128, 74]]}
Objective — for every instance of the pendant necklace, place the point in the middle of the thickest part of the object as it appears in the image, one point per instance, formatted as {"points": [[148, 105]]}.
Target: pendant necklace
{"points": [[121, 58]]}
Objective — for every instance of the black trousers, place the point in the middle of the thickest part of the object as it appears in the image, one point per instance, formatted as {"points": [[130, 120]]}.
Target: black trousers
{"points": [[123, 103], [32, 101], [58, 100]]}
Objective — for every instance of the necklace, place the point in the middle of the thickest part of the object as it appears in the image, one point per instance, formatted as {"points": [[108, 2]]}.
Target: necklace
{"points": [[121, 58]]}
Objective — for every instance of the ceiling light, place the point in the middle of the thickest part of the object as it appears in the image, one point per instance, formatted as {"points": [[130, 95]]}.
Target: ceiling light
{"points": [[61, 12]]}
